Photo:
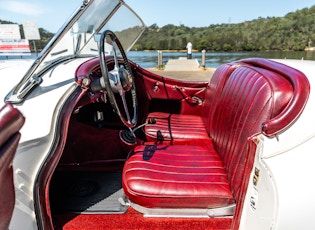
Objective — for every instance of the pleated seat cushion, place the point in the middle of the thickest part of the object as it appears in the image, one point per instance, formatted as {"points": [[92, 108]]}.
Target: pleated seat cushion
{"points": [[159, 176], [175, 127]]}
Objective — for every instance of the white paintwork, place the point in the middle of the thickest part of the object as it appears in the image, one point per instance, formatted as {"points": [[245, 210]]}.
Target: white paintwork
{"points": [[11, 72], [37, 137], [261, 201], [43, 103], [291, 160], [283, 197], [285, 182]]}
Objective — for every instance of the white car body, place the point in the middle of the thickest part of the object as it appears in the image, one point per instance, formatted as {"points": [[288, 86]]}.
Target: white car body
{"points": [[282, 199], [36, 128], [284, 163]]}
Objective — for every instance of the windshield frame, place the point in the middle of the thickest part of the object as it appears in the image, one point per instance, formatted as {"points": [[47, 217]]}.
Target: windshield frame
{"points": [[44, 62]]}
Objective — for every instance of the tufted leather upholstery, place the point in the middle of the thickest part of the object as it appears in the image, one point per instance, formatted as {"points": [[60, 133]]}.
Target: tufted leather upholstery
{"points": [[250, 97], [217, 174], [301, 92], [11, 121], [183, 127]]}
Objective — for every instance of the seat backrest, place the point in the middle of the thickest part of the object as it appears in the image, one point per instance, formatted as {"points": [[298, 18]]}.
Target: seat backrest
{"points": [[11, 120], [301, 91], [250, 97], [213, 90]]}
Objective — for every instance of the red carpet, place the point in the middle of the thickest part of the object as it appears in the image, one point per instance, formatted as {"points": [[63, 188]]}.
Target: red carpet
{"points": [[134, 220]]}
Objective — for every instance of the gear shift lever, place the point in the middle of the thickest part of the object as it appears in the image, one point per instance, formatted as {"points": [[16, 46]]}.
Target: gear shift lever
{"points": [[129, 137], [151, 121]]}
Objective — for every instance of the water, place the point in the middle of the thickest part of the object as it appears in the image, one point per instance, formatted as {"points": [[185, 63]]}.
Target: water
{"points": [[214, 59], [149, 59], [17, 57]]}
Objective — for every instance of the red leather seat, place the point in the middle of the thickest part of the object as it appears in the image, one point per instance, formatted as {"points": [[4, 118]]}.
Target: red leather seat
{"points": [[258, 97], [176, 176], [169, 127], [11, 120]]}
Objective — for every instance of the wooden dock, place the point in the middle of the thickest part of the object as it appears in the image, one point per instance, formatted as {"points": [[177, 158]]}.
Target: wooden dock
{"points": [[182, 64], [184, 69]]}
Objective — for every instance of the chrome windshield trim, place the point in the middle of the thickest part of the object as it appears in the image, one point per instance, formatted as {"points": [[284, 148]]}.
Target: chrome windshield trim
{"points": [[75, 39], [35, 71]]}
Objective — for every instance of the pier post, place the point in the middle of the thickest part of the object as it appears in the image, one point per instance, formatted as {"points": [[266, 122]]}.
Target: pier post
{"points": [[203, 58], [160, 59], [189, 50]]}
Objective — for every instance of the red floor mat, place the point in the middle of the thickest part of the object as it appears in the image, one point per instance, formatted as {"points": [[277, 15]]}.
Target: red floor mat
{"points": [[134, 220]]}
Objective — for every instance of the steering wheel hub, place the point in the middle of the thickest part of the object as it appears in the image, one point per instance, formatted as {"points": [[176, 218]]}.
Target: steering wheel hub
{"points": [[125, 78]]}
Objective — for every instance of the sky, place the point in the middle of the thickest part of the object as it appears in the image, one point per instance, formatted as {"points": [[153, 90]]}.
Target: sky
{"points": [[50, 15]]}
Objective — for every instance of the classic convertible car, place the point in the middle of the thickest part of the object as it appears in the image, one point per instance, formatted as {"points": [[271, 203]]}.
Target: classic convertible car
{"points": [[107, 144]]}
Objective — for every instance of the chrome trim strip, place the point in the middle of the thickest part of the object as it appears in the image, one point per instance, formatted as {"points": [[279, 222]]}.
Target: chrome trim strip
{"points": [[227, 211]]}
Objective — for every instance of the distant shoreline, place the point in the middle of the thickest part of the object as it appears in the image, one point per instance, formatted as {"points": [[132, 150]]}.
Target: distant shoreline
{"points": [[211, 51], [169, 51]]}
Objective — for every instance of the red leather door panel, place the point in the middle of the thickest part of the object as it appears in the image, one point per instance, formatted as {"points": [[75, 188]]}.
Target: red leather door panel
{"points": [[190, 95], [11, 121]]}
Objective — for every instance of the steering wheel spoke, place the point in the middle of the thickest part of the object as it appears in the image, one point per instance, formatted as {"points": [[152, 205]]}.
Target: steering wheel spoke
{"points": [[126, 107]]}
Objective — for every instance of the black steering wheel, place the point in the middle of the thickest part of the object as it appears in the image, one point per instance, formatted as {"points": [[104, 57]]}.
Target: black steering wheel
{"points": [[119, 81]]}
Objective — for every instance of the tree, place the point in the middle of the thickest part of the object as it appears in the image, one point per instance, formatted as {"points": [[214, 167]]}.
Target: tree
{"points": [[291, 32]]}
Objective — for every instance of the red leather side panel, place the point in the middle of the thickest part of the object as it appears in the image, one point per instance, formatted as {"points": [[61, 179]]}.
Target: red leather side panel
{"points": [[167, 89], [176, 177], [11, 120], [7, 200], [161, 88]]}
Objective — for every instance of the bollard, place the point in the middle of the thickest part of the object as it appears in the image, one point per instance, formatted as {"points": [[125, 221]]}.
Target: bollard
{"points": [[160, 59], [189, 50], [203, 59]]}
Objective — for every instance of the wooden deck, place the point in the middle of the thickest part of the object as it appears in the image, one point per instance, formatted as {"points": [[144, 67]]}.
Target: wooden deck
{"points": [[184, 69], [201, 75]]}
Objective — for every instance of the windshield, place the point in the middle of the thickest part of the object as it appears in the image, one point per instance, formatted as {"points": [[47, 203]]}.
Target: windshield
{"points": [[76, 37], [99, 16]]}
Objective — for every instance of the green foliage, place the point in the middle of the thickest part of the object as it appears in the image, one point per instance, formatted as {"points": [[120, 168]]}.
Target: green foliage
{"points": [[295, 31]]}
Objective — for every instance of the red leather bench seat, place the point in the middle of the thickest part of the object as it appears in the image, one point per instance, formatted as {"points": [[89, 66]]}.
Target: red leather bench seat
{"points": [[177, 177], [259, 96], [170, 127]]}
